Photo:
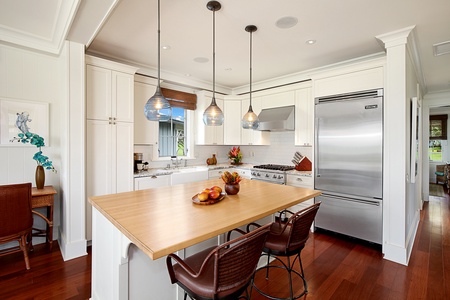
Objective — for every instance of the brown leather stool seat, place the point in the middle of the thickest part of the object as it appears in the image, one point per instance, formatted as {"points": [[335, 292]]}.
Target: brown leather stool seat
{"points": [[222, 272]]}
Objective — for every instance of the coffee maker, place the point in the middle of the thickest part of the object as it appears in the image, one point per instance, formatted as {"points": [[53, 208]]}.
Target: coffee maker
{"points": [[138, 157]]}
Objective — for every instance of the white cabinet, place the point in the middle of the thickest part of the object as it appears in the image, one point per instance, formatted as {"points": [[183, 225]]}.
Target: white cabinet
{"points": [[113, 94], [145, 131], [207, 135], [250, 136], [149, 182], [244, 173], [303, 182], [304, 117], [232, 122], [214, 174], [109, 129], [187, 177], [278, 98]]}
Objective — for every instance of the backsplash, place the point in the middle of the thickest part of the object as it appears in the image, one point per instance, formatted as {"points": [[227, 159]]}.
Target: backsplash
{"points": [[280, 151]]}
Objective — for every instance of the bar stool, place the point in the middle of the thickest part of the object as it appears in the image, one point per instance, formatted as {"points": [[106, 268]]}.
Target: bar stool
{"points": [[288, 238], [223, 272]]}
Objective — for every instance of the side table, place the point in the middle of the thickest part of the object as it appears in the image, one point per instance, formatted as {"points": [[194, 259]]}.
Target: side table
{"points": [[44, 198]]}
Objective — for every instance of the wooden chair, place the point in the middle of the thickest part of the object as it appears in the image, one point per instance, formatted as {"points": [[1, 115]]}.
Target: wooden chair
{"points": [[288, 238], [16, 218], [222, 272], [440, 173]]}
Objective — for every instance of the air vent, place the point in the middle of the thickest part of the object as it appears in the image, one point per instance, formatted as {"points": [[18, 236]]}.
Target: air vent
{"points": [[441, 48], [356, 95]]}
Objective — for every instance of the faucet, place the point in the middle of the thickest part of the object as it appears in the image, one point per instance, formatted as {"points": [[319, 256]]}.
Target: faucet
{"points": [[177, 162]]}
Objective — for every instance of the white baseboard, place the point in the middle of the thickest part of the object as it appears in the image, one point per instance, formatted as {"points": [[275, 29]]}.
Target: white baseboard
{"points": [[73, 249]]}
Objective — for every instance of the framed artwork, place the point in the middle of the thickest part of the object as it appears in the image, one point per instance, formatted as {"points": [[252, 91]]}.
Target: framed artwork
{"points": [[18, 116], [415, 122]]}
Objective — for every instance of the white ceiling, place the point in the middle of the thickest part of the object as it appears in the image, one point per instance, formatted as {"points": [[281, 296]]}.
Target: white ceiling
{"points": [[126, 31]]}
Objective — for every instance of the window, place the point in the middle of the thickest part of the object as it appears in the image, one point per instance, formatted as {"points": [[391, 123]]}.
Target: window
{"points": [[438, 134], [176, 135], [172, 137]]}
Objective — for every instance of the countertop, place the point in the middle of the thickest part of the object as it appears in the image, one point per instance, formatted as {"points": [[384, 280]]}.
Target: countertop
{"points": [[164, 220], [165, 171]]}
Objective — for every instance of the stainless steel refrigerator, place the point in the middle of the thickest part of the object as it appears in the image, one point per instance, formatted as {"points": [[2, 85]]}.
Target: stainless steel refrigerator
{"points": [[349, 164]]}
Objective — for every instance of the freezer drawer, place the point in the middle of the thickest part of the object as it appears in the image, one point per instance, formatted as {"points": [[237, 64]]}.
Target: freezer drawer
{"points": [[352, 217]]}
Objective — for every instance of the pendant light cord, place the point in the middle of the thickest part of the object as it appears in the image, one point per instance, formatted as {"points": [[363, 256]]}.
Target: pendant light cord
{"points": [[251, 71], [214, 55], [159, 45]]}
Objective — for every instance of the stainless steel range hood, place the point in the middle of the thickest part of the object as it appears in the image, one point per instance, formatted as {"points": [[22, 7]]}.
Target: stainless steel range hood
{"points": [[277, 119]]}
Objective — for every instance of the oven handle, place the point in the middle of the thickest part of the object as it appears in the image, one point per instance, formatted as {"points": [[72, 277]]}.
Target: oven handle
{"points": [[282, 183]]}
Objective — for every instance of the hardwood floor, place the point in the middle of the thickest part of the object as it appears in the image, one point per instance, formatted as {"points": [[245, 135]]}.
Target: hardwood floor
{"points": [[335, 268]]}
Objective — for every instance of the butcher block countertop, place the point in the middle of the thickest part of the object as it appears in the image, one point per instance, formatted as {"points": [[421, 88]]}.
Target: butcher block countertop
{"points": [[164, 220]]}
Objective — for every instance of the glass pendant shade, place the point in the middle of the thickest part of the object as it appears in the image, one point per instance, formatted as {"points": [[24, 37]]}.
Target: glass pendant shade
{"points": [[213, 115], [250, 119], [157, 107]]}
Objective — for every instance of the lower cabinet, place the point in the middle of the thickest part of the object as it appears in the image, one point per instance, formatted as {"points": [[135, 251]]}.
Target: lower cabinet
{"points": [[215, 174], [142, 183], [303, 182]]}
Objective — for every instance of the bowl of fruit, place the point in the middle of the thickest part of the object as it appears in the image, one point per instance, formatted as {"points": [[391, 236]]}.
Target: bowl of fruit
{"points": [[210, 195]]}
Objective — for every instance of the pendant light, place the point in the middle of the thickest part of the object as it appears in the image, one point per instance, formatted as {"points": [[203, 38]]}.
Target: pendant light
{"points": [[250, 119], [157, 107], [213, 115]]}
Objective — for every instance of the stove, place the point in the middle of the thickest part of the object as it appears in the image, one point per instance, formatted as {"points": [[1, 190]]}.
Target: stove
{"points": [[270, 173]]}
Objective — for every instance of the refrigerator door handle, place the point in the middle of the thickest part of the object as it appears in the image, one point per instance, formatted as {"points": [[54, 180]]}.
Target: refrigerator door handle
{"points": [[369, 202]]}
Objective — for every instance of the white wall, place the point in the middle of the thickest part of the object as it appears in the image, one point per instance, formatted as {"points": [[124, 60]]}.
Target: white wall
{"points": [[33, 76]]}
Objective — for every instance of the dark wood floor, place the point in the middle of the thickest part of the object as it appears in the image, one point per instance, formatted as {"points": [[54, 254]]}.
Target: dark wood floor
{"points": [[335, 268]]}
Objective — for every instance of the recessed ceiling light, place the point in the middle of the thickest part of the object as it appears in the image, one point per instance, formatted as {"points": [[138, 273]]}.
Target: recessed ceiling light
{"points": [[165, 47], [310, 42], [286, 22], [201, 59], [187, 75]]}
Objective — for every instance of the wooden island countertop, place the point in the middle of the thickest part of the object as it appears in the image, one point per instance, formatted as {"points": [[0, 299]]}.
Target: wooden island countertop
{"points": [[164, 220]]}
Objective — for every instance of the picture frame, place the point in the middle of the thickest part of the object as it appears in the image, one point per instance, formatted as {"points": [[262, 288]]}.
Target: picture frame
{"points": [[34, 115], [415, 122]]}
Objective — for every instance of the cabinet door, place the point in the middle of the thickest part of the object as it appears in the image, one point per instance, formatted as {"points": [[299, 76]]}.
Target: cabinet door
{"points": [[98, 93], [98, 164], [122, 96], [214, 174], [123, 146], [145, 131], [151, 182], [304, 117], [207, 135], [232, 122], [278, 99]]}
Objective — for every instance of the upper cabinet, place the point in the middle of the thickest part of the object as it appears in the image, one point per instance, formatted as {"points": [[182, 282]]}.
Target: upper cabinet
{"points": [[145, 131], [304, 117], [112, 90], [349, 80], [278, 98], [232, 121], [207, 135]]}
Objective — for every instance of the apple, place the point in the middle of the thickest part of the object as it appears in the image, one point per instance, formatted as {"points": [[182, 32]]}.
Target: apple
{"points": [[216, 188], [206, 191], [213, 194], [203, 196]]}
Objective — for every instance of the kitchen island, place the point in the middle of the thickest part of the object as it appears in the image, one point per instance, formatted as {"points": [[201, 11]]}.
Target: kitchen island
{"points": [[164, 220]]}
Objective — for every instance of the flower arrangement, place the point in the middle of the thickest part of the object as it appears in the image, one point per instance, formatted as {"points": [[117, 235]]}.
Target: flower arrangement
{"points": [[231, 178], [235, 155], [38, 141]]}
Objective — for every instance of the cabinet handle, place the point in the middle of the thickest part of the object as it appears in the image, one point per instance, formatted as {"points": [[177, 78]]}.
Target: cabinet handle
{"points": [[153, 176], [299, 179], [220, 172]]}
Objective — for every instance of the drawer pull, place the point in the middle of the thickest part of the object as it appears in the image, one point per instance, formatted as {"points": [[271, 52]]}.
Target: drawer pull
{"points": [[299, 179]]}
